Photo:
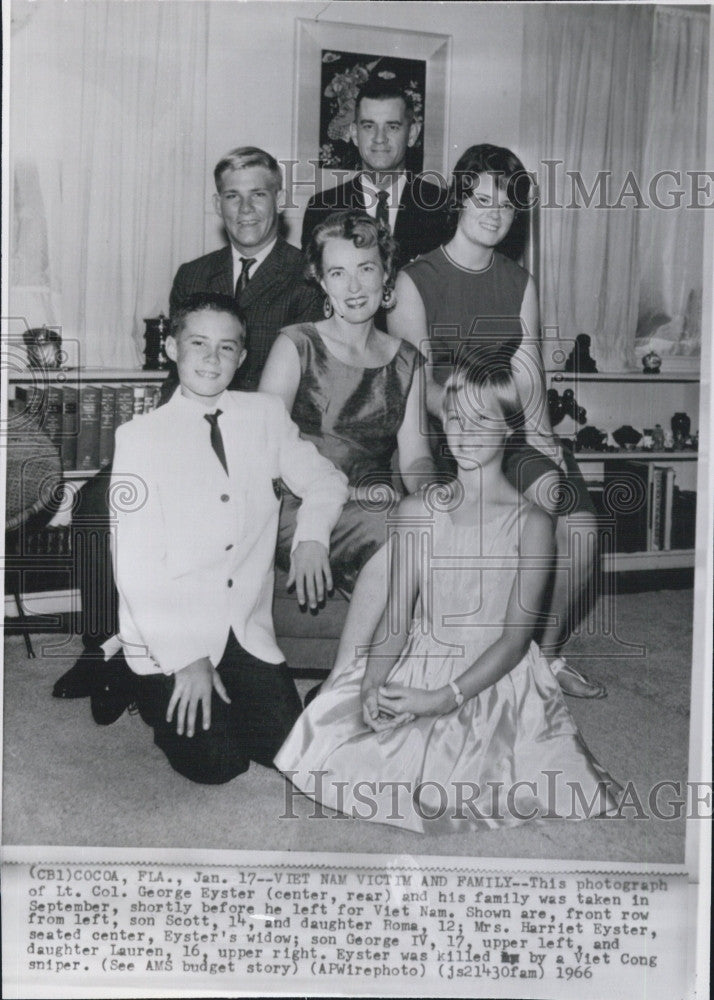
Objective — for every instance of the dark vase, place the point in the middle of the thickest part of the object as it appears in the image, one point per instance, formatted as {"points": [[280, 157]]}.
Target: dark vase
{"points": [[681, 425], [155, 338]]}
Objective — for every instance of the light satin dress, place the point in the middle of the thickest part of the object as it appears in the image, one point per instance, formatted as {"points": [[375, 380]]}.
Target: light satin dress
{"points": [[510, 754]]}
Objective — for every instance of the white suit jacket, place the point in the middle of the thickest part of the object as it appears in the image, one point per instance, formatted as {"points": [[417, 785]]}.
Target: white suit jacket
{"points": [[193, 548]]}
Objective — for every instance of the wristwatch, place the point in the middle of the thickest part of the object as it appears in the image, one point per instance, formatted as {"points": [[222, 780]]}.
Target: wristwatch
{"points": [[457, 693]]}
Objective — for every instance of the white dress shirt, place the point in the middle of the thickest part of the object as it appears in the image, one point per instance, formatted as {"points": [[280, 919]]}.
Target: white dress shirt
{"points": [[394, 196], [238, 259]]}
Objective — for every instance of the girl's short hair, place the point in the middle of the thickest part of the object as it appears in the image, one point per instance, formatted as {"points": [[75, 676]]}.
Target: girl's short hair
{"points": [[511, 176], [361, 230], [476, 374]]}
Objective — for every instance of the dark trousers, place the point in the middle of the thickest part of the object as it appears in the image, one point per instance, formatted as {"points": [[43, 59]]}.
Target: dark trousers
{"points": [[92, 561], [264, 707]]}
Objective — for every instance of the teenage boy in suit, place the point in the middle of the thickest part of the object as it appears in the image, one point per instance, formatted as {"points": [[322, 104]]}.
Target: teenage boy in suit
{"points": [[383, 130], [193, 554], [258, 267]]}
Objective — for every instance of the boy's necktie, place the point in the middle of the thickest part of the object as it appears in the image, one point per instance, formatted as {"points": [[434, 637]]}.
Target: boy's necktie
{"points": [[382, 215], [244, 277], [217, 438]]}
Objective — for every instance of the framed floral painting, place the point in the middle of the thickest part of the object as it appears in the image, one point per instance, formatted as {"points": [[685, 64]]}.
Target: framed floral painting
{"points": [[334, 60], [343, 73]]}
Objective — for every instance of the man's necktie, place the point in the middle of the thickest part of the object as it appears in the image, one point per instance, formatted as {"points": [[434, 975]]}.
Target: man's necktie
{"points": [[244, 277], [217, 438], [382, 215]]}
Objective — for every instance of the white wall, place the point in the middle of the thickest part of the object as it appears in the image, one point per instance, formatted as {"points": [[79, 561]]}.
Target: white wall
{"points": [[251, 72]]}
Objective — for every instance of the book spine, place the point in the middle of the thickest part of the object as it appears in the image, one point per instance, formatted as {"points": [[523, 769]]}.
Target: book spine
{"points": [[151, 397], [106, 425], [669, 497], [124, 409], [68, 445], [88, 437], [657, 520], [52, 424], [30, 401], [139, 392]]}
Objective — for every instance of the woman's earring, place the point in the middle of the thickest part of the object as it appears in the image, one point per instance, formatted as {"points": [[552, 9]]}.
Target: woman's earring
{"points": [[388, 299], [327, 307]]}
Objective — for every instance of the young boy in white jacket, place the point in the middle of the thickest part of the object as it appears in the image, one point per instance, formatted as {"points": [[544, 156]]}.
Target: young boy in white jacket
{"points": [[195, 496]]}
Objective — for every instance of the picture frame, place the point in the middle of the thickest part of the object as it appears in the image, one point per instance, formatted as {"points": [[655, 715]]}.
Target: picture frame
{"points": [[313, 38]]}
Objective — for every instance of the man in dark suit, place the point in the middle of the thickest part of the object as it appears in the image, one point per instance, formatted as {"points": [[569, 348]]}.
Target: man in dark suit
{"points": [[265, 275], [383, 130], [270, 287]]}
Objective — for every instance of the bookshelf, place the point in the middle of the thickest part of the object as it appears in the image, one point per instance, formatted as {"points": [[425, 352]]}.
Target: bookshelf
{"points": [[654, 378], [35, 389], [50, 394], [612, 400]]}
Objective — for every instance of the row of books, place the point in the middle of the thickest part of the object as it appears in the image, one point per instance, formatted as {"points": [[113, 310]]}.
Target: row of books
{"points": [[46, 558], [650, 513], [51, 541], [81, 421]]}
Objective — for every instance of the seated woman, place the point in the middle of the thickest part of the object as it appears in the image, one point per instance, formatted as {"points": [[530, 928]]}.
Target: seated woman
{"points": [[465, 299], [456, 717], [352, 390]]}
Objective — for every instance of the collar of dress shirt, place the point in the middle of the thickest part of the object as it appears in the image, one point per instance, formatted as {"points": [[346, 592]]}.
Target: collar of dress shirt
{"points": [[191, 406], [394, 190], [259, 258]]}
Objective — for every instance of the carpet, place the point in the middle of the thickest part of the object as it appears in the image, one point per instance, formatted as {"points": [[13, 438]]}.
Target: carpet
{"points": [[68, 781]]}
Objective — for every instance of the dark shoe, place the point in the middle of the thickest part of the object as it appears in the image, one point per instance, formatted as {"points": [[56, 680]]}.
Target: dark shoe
{"points": [[79, 680], [113, 692], [312, 694]]}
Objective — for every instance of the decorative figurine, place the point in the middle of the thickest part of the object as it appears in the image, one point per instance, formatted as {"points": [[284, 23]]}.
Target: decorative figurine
{"points": [[155, 336], [571, 408], [555, 407], [668, 441], [43, 347], [579, 359], [590, 439], [627, 437], [658, 437], [681, 425], [651, 363], [647, 439]]}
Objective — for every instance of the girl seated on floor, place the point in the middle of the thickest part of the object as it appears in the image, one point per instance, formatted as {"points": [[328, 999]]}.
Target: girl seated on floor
{"points": [[455, 716]]}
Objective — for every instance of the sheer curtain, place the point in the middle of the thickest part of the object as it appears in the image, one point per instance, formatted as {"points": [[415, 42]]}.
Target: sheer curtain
{"points": [[618, 89], [670, 305], [108, 165]]}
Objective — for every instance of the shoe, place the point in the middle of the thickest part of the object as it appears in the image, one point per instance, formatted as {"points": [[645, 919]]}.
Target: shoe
{"points": [[312, 694], [573, 683], [114, 691], [78, 681]]}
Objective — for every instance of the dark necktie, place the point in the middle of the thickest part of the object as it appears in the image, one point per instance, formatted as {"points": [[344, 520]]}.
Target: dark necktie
{"points": [[382, 215], [244, 277], [217, 438]]}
